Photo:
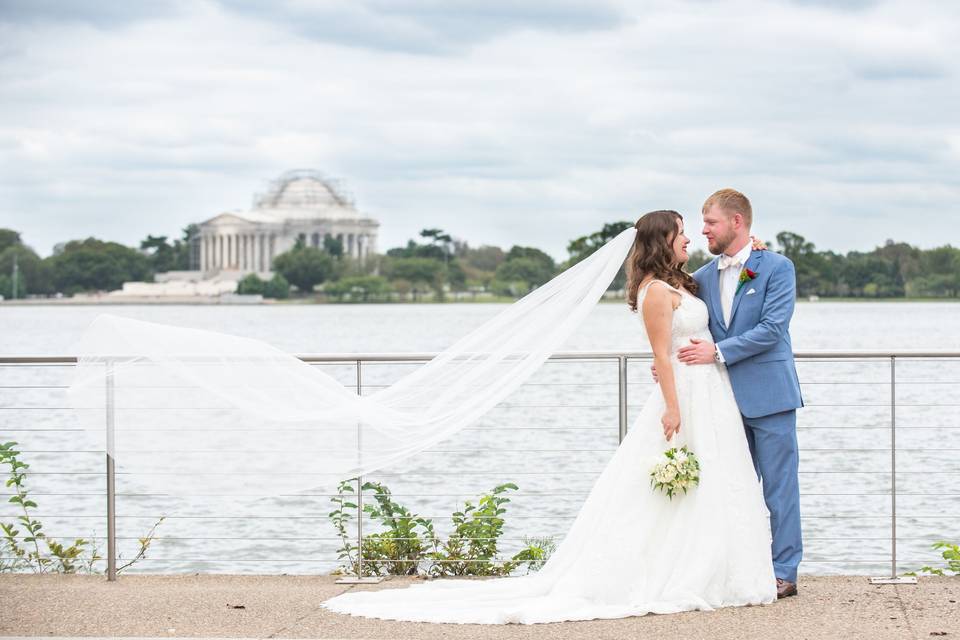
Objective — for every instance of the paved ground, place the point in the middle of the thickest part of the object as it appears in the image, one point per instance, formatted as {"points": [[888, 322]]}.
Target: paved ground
{"points": [[286, 607]]}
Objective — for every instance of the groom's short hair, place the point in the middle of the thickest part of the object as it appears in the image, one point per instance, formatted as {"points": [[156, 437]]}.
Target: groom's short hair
{"points": [[731, 200]]}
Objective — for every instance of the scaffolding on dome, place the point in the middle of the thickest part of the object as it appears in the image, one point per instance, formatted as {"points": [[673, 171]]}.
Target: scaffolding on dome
{"points": [[320, 192]]}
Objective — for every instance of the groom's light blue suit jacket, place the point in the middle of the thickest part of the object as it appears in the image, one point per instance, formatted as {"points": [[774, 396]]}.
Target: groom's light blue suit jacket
{"points": [[756, 346]]}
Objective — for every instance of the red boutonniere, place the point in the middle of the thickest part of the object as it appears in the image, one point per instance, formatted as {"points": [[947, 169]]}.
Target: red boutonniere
{"points": [[745, 276]]}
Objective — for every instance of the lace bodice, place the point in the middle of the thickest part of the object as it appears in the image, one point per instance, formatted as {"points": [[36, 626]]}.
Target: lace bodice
{"points": [[690, 319]]}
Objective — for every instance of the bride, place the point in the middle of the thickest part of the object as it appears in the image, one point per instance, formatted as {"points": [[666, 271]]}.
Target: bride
{"points": [[631, 551]]}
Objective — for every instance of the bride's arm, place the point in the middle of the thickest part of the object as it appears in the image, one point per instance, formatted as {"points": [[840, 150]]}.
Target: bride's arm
{"points": [[658, 319]]}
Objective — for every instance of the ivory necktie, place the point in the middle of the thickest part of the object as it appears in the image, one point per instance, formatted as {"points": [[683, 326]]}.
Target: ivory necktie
{"points": [[730, 268]]}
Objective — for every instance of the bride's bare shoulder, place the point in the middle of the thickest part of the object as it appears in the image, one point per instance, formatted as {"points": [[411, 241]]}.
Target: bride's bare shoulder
{"points": [[657, 296]]}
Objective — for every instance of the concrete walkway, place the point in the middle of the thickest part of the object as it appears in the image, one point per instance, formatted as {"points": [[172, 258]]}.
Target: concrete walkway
{"points": [[287, 607]]}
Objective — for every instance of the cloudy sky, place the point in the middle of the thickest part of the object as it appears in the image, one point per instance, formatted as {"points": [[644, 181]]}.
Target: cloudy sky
{"points": [[501, 121]]}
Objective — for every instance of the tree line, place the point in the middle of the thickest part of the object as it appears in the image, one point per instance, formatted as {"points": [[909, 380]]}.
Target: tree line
{"points": [[437, 266]]}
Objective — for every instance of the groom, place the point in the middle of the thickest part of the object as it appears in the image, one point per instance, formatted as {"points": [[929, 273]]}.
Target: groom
{"points": [[750, 294]]}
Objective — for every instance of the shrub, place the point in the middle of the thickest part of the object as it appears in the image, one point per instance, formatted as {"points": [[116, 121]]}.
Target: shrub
{"points": [[277, 287], [949, 552], [409, 544], [304, 267], [251, 285], [25, 550]]}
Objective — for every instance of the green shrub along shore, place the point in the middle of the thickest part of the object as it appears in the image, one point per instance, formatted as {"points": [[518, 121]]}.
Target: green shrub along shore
{"points": [[438, 268]]}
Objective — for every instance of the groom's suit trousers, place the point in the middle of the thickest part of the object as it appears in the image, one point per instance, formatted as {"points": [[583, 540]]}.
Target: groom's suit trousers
{"points": [[773, 446]]}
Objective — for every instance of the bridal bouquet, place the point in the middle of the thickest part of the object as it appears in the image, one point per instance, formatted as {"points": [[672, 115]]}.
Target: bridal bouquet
{"points": [[679, 471]]}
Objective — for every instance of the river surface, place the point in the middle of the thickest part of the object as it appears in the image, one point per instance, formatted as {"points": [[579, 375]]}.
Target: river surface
{"points": [[552, 438]]}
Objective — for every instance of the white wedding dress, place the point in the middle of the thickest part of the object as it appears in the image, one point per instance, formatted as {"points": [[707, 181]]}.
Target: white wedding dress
{"points": [[631, 551]]}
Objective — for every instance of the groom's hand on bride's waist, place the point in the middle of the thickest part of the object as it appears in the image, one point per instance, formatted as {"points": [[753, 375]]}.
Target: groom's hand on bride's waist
{"points": [[698, 352]]}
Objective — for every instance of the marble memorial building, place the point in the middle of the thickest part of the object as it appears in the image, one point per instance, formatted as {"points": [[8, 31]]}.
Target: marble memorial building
{"points": [[299, 203]]}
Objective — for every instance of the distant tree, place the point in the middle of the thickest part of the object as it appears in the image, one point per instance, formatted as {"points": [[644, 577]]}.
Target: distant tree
{"points": [[34, 274], [455, 275], [484, 258], [532, 253], [436, 236], [869, 275], [402, 252], [416, 270], [697, 259], [940, 260], [277, 287], [333, 246], [96, 265], [793, 245], [304, 267], [811, 267], [509, 288], [7, 289], [187, 249], [411, 264], [524, 269], [251, 284], [438, 247], [415, 250], [938, 285], [361, 288], [908, 259], [527, 270], [181, 255], [460, 248], [160, 253], [9, 238], [421, 274], [583, 247], [401, 286], [939, 273]]}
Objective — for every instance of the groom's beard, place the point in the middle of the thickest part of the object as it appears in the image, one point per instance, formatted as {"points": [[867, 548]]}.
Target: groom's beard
{"points": [[720, 245]]}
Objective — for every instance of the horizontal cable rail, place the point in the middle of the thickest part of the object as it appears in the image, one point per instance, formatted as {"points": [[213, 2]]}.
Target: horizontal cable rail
{"points": [[879, 414], [424, 495]]}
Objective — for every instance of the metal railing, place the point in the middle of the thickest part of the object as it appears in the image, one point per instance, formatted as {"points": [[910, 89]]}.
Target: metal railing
{"points": [[623, 360]]}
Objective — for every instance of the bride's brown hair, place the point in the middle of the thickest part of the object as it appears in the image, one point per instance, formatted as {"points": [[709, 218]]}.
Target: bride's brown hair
{"points": [[652, 254]]}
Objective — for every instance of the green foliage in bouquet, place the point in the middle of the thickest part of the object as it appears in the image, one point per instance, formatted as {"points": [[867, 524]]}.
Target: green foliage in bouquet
{"points": [[679, 471]]}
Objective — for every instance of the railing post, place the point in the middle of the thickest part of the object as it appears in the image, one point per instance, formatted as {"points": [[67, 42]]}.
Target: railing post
{"points": [[893, 579], [359, 484], [893, 466], [111, 477], [622, 360], [359, 578]]}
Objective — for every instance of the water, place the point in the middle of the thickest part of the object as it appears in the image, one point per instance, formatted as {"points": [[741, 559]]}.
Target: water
{"points": [[844, 434], [46, 330]]}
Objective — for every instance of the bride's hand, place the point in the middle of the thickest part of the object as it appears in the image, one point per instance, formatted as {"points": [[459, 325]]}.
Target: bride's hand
{"points": [[671, 423]]}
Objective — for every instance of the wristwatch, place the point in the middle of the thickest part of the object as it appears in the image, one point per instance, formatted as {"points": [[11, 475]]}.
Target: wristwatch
{"points": [[716, 354]]}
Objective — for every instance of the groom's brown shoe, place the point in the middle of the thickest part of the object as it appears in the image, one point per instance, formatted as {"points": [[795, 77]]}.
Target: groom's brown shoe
{"points": [[785, 588]]}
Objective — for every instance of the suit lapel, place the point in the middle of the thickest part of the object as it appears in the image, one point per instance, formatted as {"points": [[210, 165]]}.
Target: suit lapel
{"points": [[713, 293], [753, 263]]}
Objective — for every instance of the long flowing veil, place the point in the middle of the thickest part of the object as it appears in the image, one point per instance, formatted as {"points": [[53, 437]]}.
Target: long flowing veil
{"points": [[190, 405]]}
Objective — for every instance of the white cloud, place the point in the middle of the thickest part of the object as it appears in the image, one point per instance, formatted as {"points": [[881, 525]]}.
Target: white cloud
{"points": [[532, 128]]}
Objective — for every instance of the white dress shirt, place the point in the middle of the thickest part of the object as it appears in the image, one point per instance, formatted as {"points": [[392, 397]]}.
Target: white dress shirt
{"points": [[729, 279]]}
